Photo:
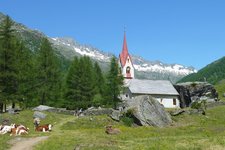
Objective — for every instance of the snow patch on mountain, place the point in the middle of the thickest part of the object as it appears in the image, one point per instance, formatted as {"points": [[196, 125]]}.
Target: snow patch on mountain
{"points": [[177, 69], [140, 64], [156, 66], [83, 50]]}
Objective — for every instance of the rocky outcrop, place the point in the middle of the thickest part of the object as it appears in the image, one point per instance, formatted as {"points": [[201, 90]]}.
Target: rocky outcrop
{"points": [[195, 91], [148, 111]]}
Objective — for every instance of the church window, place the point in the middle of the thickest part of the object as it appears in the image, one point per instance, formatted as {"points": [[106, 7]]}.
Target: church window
{"points": [[128, 60], [128, 70], [174, 101]]}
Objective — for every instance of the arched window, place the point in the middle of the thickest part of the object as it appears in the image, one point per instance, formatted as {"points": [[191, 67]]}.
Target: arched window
{"points": [[128, 69], [128, 60]]}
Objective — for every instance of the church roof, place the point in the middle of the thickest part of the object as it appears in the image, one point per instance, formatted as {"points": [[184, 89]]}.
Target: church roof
{"points": [[154, 87], [124, 54]]}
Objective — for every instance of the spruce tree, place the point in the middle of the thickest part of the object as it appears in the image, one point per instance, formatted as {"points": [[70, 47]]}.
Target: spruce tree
{"points": [[114, 83], [47, 75]]}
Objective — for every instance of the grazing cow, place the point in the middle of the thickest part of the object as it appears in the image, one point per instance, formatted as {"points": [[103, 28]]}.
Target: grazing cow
{"points": [[44, 128], [110, 130]]}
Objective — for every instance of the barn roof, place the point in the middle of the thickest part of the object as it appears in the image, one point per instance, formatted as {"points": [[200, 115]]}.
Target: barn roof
{"points": [[154, 87]]}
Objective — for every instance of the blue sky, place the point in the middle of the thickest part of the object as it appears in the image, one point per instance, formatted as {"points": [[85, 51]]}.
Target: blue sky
{"points": [[188, 32]]}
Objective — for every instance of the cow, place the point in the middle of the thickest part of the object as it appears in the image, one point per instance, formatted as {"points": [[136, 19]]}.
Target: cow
{"points": [[19, 130], [110, 130], [44, 128], [1, 127], [7, 129]]}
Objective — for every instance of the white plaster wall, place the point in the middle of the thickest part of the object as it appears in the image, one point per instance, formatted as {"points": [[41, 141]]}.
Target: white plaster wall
{"points": [[168, 102], [131, 68]]}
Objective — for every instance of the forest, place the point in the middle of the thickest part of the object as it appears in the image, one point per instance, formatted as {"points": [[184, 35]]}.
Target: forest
{"points": [[35, 77]]}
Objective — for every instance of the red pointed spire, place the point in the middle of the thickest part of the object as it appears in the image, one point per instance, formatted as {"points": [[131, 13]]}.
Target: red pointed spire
{"points": [[124, 53]]}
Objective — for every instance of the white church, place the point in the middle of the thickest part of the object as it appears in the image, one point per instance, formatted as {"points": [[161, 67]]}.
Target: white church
{"points": [[162, 90]]}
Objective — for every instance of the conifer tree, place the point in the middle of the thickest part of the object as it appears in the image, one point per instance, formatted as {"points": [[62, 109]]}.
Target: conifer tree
{"points": [[99, 85], [25, 74], [72, 93], [79, 83], [8, 70], [114, 83], [48, 74]]}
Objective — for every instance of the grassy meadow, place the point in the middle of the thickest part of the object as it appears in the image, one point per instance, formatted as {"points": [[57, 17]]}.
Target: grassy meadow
{"points": [[187, 132], [220, 88]]}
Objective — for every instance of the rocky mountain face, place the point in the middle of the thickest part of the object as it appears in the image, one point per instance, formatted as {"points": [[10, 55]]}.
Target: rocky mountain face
{"points": [[158, 70], [67, 48]]}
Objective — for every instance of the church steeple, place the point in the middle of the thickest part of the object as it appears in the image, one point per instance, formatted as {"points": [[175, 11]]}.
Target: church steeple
{"points": [[124, 53], [125, 61]]}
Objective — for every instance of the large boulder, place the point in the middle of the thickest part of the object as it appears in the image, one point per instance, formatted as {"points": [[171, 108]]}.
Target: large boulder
{"points": [[195, 91], [42, 108], [148, 111], [38, 114]]}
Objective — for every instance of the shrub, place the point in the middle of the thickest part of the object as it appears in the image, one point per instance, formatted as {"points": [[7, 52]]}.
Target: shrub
{"points": [[128, 117]]}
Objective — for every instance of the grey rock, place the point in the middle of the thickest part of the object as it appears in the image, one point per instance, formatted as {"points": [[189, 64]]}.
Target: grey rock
{"points": [[38, 114], [148, 111], [42, 108], [116, 114], [223, 94], [177, 112], [194, 91], [96, 111], [11, 111]]}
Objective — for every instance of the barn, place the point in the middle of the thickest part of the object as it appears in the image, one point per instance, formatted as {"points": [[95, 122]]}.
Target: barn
{"points": [[162, 90]]}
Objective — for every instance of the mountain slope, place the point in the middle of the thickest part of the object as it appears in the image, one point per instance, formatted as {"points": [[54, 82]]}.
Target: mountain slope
{"points": [[212, 73], [67, 48]]}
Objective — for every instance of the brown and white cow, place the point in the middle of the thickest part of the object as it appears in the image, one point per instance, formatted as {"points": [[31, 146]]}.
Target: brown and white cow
{"points": [[19, 130], [44, 128], [6, 129]]}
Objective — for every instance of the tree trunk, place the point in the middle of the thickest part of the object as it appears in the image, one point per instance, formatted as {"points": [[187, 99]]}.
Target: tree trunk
{"points": [[5, 107], [1, 107], [13, 105], [43, 99]]}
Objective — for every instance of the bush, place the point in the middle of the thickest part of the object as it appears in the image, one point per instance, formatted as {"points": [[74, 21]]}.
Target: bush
{"points": [[128, 117]]}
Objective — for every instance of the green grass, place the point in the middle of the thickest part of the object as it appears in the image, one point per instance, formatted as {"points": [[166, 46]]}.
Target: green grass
{"points": [[26, 118], [220, 88], [188, 132]]}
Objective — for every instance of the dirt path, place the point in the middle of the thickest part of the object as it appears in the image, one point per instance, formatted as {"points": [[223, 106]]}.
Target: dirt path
{"points": [[26, 143], [20, 143]]}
